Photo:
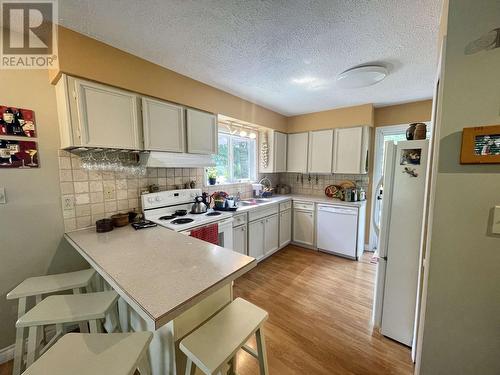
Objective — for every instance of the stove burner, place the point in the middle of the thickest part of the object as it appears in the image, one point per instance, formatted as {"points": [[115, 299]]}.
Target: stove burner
{"points": [[182, 221], [214, 213], [167, 217]]}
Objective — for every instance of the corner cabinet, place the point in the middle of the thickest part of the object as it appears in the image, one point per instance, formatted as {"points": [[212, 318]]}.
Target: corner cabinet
{"points": [[350, 151], [320, 151], [298, 146], [163, 125], [95, 115], [272, 152], [202, 136]]}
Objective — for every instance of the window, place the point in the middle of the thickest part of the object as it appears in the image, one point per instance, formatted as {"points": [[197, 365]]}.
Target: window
{"points": [[235, 161]]}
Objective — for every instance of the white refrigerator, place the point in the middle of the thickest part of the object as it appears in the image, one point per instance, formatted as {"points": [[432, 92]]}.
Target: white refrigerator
{"points": [[403, 200]]}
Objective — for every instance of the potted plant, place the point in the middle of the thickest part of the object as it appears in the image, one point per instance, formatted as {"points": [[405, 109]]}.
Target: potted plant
{"points": [[212, 175]]}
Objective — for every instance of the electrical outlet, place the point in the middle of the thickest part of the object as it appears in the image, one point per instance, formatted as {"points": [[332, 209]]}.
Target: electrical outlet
{"points": [[68, 203], [109, 192], [3, 198]]}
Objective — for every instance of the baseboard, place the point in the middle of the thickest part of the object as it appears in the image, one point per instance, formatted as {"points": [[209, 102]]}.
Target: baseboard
{"points": [[7, 354]]}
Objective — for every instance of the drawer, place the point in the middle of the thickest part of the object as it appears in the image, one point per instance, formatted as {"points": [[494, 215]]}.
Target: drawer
{"points": [[263, 212], [285, 206], [303, 205], [239, 219]]}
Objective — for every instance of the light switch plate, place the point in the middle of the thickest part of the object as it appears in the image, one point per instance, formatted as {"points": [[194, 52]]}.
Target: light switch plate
{"points": [[3, 197], [496, 220]]}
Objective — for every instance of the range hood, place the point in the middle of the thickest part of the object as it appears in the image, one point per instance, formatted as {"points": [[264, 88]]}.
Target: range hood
{"points": [[158, 159]]}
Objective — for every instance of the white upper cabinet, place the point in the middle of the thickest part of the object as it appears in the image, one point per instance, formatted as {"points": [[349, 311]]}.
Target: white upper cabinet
{"points": [[351, 150], [297, 152], [320, 151], [95, 115], [164, 126], [274, 159], [201, 132]]}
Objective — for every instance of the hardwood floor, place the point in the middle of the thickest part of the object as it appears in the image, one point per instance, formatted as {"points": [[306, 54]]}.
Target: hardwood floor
{"points": [[319, 316]]}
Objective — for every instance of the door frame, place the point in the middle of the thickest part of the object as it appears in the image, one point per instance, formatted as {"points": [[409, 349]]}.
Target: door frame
{"points": [[380, 133]]}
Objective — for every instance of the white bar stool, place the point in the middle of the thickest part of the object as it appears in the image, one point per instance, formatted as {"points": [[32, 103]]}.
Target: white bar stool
{"points": [[37, 287], [92, 354], [65, 309], [215, 343]]}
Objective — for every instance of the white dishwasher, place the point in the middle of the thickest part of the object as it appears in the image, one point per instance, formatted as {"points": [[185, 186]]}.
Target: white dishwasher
{"points": [[337, 230]]}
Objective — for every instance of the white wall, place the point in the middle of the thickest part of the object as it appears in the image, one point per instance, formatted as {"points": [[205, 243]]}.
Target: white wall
{"points": [[462, 321], [31, 223]]}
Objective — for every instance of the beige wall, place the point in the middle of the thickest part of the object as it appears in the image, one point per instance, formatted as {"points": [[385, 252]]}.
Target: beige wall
{"points": [[334, 118], [403, 113], [85, 57], [31, 223], [462, 321]]}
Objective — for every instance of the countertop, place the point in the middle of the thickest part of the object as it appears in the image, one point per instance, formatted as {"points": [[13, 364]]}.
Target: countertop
{"points": [[303, 198], [158, 271]]}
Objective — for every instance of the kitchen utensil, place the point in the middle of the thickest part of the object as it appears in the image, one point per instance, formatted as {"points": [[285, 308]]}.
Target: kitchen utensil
{"points": [[207, 199], [332, 191], [180, 212], [347, 184], [120, 220], [143, 224], [104, 225], [131, 216], [198, 207]]}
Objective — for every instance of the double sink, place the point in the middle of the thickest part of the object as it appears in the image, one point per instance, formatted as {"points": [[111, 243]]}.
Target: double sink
{"points": [[253, 202]]}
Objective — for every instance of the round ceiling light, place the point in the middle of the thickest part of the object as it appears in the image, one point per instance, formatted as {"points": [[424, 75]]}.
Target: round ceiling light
{"points": [[362, 76]]}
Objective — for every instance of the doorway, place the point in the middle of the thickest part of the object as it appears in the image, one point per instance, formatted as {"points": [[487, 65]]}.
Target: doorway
{"points": [[395, 133]]}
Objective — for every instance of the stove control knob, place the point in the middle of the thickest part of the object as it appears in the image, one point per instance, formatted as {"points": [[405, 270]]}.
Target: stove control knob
{"points": [[150, 200], [158, 199]]}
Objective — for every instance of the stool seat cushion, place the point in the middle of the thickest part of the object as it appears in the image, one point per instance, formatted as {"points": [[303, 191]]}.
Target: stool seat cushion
{"points": [[51, 283], [69, 308], [91, 354], [216, 341]]}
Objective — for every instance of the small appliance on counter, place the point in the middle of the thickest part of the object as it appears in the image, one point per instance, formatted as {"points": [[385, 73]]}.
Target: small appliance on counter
{"points": [[199, 206]]}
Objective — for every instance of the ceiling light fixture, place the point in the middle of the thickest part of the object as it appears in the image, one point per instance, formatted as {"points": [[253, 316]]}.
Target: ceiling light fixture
{"points": [[362, 76], [304, 80]]}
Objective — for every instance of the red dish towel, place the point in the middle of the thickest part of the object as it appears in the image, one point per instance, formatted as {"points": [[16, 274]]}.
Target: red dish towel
{"points": [[210, 233]]}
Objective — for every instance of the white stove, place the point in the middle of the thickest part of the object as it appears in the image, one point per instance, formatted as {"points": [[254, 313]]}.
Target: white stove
{"points": [[160, 208]]}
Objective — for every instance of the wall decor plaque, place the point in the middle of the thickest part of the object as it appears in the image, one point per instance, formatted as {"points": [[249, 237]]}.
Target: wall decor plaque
{"points": [[18, 154], [481, 145], [17, 122]]}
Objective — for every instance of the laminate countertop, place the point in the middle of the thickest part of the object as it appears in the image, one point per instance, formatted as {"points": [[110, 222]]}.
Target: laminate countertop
{"points": [[296, 197], [159, 272]]}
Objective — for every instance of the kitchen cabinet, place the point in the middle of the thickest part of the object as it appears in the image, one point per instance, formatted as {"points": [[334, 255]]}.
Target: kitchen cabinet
{"points": [[256, 239], [320, 151], [350, 153], [274, 160], [303, 223], [285, 232], [298, 145], [95, 115], [163, 125], [240, 239], [202, 136], [271, 234]]}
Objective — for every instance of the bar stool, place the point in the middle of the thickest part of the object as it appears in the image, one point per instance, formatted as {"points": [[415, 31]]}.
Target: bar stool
{"points": [[38, 286], [65, 309], [215, 343], [91, 354]]}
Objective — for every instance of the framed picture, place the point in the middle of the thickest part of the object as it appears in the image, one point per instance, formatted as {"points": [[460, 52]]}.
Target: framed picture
{"points": [[410, 156], [18, 154], [481, 144], [18, 122]]}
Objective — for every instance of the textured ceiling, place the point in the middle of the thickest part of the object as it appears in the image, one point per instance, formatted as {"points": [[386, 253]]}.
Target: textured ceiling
{"points": [[282, 54]]}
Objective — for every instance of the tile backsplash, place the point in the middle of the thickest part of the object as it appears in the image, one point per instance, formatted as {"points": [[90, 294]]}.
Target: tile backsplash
{"points": [[88, 196], [300, 184]]}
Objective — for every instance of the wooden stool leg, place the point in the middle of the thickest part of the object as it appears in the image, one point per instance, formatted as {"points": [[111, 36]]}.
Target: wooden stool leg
{"points": [[190, 367], [95, 326], [261, 349], [83, 325], [32, 345], [20, 333], [143, 366]]}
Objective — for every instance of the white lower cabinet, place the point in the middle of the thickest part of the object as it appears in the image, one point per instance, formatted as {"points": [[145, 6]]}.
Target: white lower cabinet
{"points": [[303, 227], [256, 238], [271, 238], [240, 239], [285, 228]]}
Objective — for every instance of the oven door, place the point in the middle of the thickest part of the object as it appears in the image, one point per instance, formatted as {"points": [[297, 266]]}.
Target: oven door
{"points": [[225, 233]]}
